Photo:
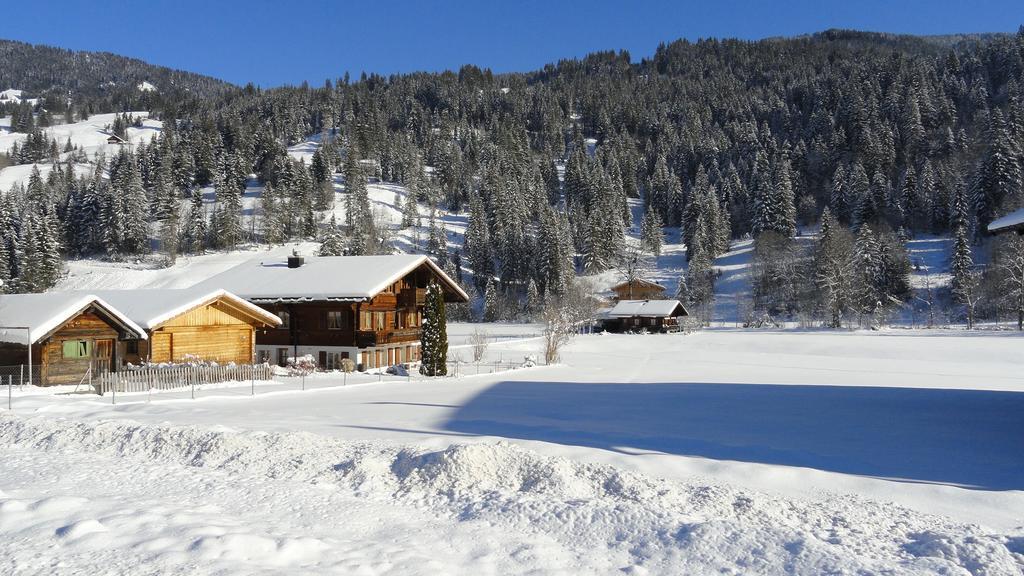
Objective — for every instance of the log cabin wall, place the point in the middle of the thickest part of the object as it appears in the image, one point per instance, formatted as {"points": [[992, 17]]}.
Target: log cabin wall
{"points": [[213, 332], [92, 338], [640, 291], [381, 332]]}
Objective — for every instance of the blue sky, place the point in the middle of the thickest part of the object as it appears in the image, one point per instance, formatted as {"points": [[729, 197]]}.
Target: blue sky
{"points": [[272, 43]]}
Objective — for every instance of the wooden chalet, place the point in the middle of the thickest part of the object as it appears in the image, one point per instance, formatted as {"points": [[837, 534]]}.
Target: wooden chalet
{"points": [[71, 335], [638, 289], [190, 325], [365, 308], [643, 315], [115, 139], [1012, 222]]}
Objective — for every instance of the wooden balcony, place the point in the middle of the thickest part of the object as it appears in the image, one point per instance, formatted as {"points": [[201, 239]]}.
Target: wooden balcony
{"points": [[412, 297], [372, 338]]}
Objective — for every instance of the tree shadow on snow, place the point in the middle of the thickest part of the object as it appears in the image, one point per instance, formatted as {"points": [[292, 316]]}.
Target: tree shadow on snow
{"points": [[963, 437]]}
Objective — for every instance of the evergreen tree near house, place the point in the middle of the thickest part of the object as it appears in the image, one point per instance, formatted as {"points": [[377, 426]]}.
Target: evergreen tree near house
{"points": [[434, 337], [332, 244], [410, 211], [196, 226], [492, 313], [272, 226], [700, 277], [965, 282], [358, 214], [651, 236]]}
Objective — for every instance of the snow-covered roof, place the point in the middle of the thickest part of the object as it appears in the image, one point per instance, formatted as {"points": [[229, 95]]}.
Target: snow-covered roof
{"points": [[151, 308], [345, 278], [44, 313], [1011, 221], [646, 308]]}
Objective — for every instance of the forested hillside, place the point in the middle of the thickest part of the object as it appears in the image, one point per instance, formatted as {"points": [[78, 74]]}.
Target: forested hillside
{"points": [[68, 82], [876, 138]]}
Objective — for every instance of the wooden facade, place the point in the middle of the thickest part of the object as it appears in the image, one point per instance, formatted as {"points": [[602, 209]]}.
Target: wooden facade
{"points": [[88, 339], [375, 333], [643, 316], [215, 331], [638, 289]]}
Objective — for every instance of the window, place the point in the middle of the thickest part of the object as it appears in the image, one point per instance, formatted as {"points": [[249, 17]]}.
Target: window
{"points": [[380, 320], [77, 349], [364, 320], [131, 347], [282, 356], [332, 360], [335, 320], [286, 319]]}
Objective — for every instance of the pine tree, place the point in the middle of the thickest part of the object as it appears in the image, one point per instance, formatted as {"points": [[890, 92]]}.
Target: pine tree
{"points": [[358, 214], [272, 227], [434, 335], [196, 227], [332, 243], [700, 274], [478, 242], [683, 291], [998, 182], [491, 312], [961, 262], [437, 245], [834, 269], [651, 233], [534, 303]]}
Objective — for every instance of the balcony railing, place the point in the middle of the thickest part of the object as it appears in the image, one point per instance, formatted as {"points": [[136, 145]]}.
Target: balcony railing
{"points": [[412, 297], [370, 338]]}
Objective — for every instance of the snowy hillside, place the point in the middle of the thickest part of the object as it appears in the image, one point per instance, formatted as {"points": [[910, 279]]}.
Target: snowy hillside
{"points": [[90, 135], [930, 255], [13, 96]]}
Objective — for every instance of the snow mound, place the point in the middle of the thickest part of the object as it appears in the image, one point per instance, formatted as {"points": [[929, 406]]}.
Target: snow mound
{"points": [[639, 523], [79, 529], [146, 87], [254, 548]]}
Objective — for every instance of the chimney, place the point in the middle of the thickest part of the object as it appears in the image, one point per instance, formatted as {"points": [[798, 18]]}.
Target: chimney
{"points": [[295, 261]]}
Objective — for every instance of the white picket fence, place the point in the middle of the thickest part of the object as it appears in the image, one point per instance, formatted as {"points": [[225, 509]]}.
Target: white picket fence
{"points": [[175, 377]]}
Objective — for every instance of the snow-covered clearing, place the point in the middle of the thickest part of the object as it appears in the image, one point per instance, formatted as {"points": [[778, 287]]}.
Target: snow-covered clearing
{"points": [[726, 451], [89, 135]]}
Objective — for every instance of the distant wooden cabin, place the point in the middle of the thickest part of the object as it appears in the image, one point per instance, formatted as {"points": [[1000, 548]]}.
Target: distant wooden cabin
{"points": [[69, 334], [115, 139], [1012, 222], [190, 325], [638, 289], [643, 315], [365, 308]]}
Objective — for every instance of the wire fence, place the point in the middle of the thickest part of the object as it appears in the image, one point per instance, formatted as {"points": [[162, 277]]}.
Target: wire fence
{"points": [[18, 375], [183, 381]]}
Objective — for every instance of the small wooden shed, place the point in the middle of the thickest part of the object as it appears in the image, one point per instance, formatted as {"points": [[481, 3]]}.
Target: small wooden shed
{"points": [[191, 325], [69, 334], [638, 289]]}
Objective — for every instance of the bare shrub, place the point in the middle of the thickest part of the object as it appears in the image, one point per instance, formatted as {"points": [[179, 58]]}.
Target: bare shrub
{"points": [[479, 340]]}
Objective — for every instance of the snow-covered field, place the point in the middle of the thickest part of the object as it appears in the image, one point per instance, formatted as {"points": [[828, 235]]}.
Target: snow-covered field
{"points": [[728, 451]]}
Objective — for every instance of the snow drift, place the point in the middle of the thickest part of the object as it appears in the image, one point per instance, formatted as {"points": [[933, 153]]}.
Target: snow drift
{"points": [[622, 518]]}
